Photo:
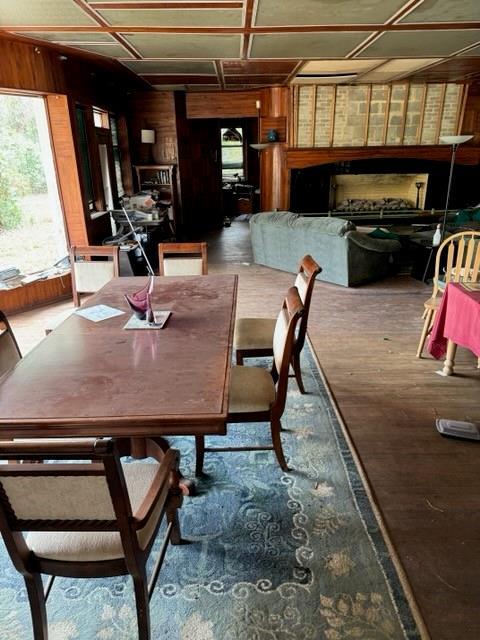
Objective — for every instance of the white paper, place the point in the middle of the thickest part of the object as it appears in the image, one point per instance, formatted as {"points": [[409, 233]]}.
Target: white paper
{"points": [[99, 312]]}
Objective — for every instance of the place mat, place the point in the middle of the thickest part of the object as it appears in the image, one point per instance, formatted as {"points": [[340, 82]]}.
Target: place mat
{"points": [[160, 320]]}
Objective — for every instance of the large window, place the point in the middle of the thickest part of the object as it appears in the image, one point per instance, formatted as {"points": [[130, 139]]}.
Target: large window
{"points": [[85, 157], [233, 165], [32, 232], [116, 155]]}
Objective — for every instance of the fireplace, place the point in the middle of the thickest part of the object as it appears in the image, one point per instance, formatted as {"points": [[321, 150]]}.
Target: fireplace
{"points": [[381, 184]]}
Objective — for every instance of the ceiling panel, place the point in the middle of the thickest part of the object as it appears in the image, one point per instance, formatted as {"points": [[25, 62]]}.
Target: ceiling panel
{"points": [[450, 70], [338, 66], [111, 50], [69, 36], [395, 69], [445, 11], [185, 45], [313, 12], [42, 12], [255, 80], [306, 45], [171, 66], [424, 43], [173, 18], [185, 87]]}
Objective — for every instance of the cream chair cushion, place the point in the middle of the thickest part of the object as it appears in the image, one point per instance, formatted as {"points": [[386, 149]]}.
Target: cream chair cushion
{"points": [[251, 389], [91, 546], [182, 266], [254, 333], [90, 276]]}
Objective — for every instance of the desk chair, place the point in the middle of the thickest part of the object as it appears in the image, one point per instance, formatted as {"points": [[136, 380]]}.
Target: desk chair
{"points": [[462, 264], [88, 276], [91, 520], [257, 395], [254, 336], [182, 259], [9, 350]]}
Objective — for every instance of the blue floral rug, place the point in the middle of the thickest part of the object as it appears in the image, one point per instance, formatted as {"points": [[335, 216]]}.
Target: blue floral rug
{"points": [[271, 556]]}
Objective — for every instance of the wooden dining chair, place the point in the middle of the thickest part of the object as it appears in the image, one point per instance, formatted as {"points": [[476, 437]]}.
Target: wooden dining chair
{"points": [[182, 258], [258, 395], [9, 350], [254, 336], [89, 517], [88, 276], [457, 260]]}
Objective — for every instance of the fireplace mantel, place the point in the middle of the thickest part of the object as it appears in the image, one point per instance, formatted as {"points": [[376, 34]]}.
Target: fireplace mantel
{"points": [[301, 158]]}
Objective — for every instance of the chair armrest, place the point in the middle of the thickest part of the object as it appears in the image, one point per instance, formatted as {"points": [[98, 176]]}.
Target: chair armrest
{"points": [[160, 488], [373, 244]]}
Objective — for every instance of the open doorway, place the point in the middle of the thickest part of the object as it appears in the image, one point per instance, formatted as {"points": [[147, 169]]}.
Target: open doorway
{"points": [[32, 231]]}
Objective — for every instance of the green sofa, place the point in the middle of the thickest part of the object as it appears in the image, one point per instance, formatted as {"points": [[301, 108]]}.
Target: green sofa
{"points": [[347, 257]]}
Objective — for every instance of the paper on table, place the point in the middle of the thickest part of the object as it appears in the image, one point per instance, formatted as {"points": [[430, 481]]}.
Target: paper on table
{"points": [[160, 317], [99, 312]]}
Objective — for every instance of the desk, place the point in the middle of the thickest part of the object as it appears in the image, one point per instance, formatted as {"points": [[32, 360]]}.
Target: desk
{"points": [[97, 379], [457, 322]]}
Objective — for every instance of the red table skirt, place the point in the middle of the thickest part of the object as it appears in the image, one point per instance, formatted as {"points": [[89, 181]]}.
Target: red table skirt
{"points": [[457, 319]]}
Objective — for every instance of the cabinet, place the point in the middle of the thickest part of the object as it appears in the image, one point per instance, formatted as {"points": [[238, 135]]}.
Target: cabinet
{"points": [[160, 179]]}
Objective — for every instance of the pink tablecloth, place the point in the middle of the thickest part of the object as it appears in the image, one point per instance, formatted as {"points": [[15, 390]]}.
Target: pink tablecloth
{"points": [[457, 319]]}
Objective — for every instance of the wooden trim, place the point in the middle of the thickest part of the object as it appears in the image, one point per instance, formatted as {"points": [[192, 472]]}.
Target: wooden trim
{"points": [[441, 109], [461, 110], [313, 107], [332, 118], [405, 109], [67, 168], [387, 114], [422, 114], [220, 76], [325, 28], [367, 115], [232, 4]]}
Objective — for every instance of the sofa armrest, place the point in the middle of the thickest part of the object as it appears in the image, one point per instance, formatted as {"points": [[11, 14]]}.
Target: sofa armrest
{"points": [[380, 245]]}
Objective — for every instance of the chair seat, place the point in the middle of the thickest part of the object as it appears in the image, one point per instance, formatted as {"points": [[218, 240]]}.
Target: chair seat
{"points": [[94, 546], [251, 390], [254, 333]]}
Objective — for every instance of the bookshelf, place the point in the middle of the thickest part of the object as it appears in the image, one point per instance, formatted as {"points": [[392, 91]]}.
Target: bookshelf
{"points": [[159, 178]]}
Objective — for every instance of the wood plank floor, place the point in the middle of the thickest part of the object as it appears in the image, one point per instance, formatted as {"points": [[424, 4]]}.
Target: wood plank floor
{"points": [[427, 487]]}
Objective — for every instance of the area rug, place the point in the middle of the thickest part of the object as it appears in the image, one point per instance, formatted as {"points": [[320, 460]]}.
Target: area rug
{"points": [[270, 555]]}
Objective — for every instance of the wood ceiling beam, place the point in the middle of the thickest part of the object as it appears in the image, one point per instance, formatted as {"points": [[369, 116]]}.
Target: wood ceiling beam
{"points": [[232, 4], [329, 28]]}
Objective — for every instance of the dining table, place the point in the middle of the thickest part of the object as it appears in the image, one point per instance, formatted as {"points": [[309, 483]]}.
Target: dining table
{"points": [[457, 323], [99, 379]]}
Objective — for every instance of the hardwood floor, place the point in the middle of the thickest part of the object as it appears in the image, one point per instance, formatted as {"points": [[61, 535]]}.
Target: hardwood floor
{"points": [[427, 487]]}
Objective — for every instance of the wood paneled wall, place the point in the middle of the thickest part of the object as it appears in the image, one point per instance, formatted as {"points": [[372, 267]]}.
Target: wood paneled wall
{"points": [[223, 104]]}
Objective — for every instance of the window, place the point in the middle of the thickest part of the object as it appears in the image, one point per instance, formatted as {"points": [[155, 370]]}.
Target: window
{"points": [[84, 157], [233, 166], [116, 155], [100, 118]]}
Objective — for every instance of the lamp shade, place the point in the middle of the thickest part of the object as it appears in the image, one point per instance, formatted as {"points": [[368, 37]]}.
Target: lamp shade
{"points": [[455, 139], [148, 136]]}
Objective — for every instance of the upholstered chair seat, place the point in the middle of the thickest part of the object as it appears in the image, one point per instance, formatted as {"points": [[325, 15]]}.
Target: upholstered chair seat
{"points": [[251, 389], [92, 546], [254, 333]]}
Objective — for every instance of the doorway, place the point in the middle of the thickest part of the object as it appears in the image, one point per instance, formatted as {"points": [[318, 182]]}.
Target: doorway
{"points": [[32, 231]]}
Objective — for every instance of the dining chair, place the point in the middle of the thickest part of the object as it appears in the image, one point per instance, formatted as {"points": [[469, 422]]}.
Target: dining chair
{"points": [[9, 350], [182, 258], [253, 337], [457, 260], [87, 514], [259, 395], [88, 276]]}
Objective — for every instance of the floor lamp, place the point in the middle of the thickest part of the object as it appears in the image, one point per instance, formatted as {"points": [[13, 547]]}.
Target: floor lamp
{"points": [[455, 141]]}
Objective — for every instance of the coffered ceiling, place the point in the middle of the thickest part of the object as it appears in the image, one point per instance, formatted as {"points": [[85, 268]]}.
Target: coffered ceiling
{"points": [[231, 44]]}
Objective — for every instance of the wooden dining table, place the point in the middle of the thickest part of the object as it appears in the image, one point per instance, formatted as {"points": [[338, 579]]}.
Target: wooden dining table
{"points": [[98, 379]]}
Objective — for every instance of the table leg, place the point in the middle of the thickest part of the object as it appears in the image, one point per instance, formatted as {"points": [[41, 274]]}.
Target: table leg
{"points": [[450, 359]]}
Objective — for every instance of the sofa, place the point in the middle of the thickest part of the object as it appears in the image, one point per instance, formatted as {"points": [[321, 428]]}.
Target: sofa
{"points": [[347, 256]]}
